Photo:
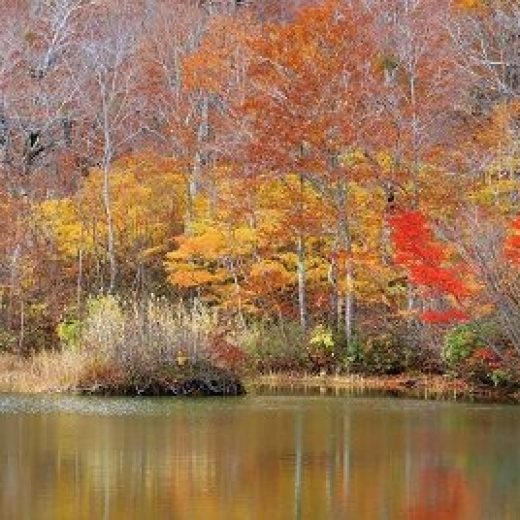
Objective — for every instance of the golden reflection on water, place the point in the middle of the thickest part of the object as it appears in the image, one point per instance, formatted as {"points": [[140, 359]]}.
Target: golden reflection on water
{"points": [[263, 457]]}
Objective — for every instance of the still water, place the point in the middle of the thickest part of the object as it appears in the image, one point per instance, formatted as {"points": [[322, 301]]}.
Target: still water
{"points": [[258, 457]]}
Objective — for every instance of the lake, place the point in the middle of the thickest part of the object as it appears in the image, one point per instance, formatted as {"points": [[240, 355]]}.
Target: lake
{"points": [[257, 457]]}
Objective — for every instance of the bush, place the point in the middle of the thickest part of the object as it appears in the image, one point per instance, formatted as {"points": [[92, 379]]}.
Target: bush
{"points": [[482, 366], [486, 367], [323, 350], [224, 353], [459, 344], [478, 353], [386, 354], [275, 347], [465, 340], [69, 333], [39, 328], [7, 340], [137, 335], [148, 346], [330, 351], [353, 356], [153, 348]]}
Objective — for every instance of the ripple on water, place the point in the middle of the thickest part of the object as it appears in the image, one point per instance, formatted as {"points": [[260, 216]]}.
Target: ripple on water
{"points": [[113, 406]]}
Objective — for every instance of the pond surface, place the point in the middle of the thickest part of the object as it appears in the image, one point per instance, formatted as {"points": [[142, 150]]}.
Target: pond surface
{"points": [[258, 457]]}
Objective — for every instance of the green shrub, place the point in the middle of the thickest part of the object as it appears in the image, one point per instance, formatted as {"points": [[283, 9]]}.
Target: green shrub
{"points": [[69, 333], [500, 378], [322, 339], [479, 353], [386, 354], [459, 344], [274, 347], [7, 340], [323, 349], [353, 356]]}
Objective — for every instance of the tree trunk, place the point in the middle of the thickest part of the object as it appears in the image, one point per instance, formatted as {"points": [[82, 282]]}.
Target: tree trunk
{"points": [[107, 203], [79, 285], [302, 276], [21, 336], [349, 302], [301, 263], [345, 246]]}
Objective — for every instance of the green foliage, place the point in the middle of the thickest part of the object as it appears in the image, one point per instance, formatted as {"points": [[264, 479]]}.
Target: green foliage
{"points": [[322, 338], [478, 353], [7, 340], [69, 333], [500, 377], [275, 347], [386, 354], [329, 350], [354, 356], [461, 342]]}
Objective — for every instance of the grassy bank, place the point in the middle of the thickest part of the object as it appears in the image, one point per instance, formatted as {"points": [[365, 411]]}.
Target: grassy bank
{"points": [[46, 372], [69, 372], [64, 372], [421, 386], [157, 348], [129, 349]]}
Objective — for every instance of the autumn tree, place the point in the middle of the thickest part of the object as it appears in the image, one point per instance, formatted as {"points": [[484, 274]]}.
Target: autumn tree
{"points": [[39, 100], [426, 260], [109, 104], [307, 104]]}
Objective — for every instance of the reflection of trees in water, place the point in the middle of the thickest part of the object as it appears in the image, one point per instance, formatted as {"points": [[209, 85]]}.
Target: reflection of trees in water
{"points": [[293, 458], [444, 494]]}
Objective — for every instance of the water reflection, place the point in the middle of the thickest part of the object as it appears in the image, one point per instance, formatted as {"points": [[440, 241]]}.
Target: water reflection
{"points": [[257, 458]]}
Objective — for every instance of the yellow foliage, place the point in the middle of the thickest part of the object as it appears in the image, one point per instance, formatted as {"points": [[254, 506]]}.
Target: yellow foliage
{"points": [[186, 275], [61, 218], [147, 206], [270, 274]]}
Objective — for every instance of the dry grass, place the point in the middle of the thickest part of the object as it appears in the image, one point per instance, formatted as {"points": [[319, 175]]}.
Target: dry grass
{"points": [[119, 342], [50, 372], [406, 385], [137, 337], [42, 373]]}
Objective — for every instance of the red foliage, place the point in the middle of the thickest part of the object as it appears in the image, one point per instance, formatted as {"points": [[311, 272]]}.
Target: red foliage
{"points": [[512, 246], [225, 354], [445, 317], [425, 259], [486, 356]]}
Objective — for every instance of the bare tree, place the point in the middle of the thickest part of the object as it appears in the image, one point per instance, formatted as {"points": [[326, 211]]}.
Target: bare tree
{"points": [[488, 43], [38, 99], [110, 105]]}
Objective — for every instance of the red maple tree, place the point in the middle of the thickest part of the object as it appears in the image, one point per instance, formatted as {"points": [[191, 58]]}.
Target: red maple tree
{"points": [[427, 262]]}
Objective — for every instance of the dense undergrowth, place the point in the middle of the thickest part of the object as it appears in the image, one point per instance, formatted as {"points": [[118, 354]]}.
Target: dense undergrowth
{"points": [[157, 348]]}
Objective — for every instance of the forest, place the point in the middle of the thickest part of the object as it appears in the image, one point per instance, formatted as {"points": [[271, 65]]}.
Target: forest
{"points": [[299, 187]]}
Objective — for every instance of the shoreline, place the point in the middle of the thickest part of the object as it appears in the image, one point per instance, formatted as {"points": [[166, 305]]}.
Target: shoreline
{"points": [[417, 386], [58, 374]]}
